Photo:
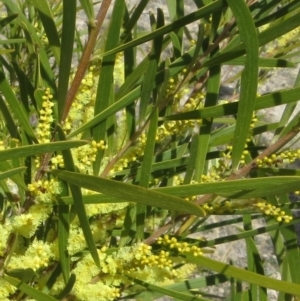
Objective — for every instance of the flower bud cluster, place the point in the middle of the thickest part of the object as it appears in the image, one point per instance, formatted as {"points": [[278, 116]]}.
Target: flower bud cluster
{"points": [[271, 210], [57, 161], [219, 208], [132, 155], [38, 255], [43, 131], [27, 223], [210, 177], [145, 257], [280, 159], [227, 155], [44, 190], [282, 43], [85, 155], [181, 103], [6, 289], [181, 247], [103, 284], [82, 108], [5, 230], [119, 70], [175, 127]]}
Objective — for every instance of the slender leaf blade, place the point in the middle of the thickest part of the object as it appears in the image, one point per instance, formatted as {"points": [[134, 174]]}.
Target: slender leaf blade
{"points": [[79, 207], [37, 149], [28, 290], [249, 78], [67, 46], [130, 193], [244, 275]]}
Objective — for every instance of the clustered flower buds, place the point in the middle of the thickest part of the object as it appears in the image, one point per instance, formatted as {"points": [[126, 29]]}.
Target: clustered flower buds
{"points": [[271, 210], [181, 247], [43, 129], [85, 155], [275, 160]]}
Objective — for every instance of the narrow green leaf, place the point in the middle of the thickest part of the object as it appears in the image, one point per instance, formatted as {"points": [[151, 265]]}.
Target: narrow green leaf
{"points": [[278, 13], [284, 276], [176, 10], [150, 74], [7, 20], [225, 135], [9, 120], [168, 292], [63, 235], [88, 8], [10, 41], [6, 51], [25, 275], [91, 199], [254, 261], [135, 16], [194, 16], [15, 106], [28, 27], [265, 186], [28, 290], [266, 36], [129, 69], [117, 106], [105, 82], [213, 86], [10, 173], [67, 46], [129, 226], [292, 250], [249, 78], [188, 285], [68, 287], [17, 178], [78, 204], [244, 275], [261, 102], [146, 173], [129, 192], [263, 62], [193, 157], [49, 25], [30, 150], [279, 29], [221, 240]]}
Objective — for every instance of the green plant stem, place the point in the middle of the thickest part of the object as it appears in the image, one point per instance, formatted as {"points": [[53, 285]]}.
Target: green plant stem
{"points": [[84, 62]]}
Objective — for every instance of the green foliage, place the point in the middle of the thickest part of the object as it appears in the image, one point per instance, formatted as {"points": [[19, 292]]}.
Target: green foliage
{"points": [[116, 150]]}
